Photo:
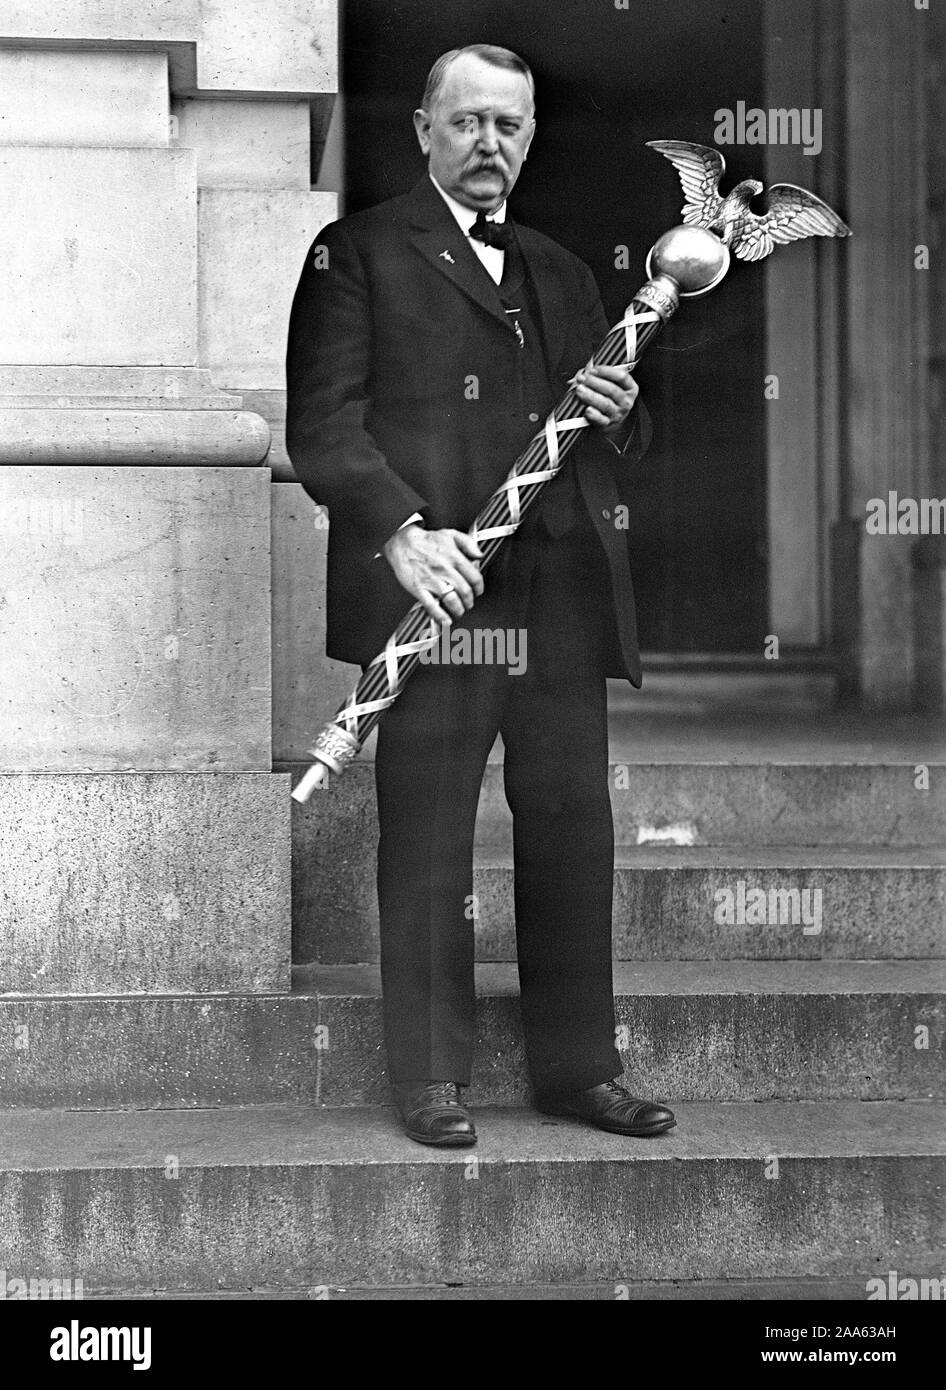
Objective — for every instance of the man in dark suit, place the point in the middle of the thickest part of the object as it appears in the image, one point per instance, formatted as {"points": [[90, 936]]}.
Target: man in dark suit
{"points": [[429, 337]]}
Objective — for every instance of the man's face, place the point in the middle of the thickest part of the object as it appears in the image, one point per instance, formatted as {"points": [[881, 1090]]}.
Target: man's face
{"points": [[478, 133]]}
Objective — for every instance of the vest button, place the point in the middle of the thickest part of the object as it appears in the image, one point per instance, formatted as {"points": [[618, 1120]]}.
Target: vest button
{"points": [[606, 514], [533, 416]]}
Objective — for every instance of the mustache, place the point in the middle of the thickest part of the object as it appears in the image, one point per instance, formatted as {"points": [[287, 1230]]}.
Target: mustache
{"points": [[480, 165]]}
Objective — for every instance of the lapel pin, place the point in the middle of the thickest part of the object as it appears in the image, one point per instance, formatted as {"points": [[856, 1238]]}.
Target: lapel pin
{"points": [[446, 256]]}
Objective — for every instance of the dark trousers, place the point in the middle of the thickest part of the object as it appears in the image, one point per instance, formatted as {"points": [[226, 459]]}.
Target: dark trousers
{"points": [[432, 750]]}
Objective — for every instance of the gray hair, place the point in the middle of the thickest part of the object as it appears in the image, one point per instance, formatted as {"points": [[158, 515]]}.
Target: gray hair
{"points": [[489, 53]]}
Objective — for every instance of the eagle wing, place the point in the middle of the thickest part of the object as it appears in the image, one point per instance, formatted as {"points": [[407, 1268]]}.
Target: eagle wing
{"points": [[700, 169], [792, 213]]}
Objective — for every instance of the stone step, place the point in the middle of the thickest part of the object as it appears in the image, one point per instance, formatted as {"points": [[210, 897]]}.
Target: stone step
{"points": [[688, 1031], [752, 1030], [290, 1196], [631, 1291], [769, 804], [686, 904], [126, 883], [762, 803], [668, 691], [674, 903]]}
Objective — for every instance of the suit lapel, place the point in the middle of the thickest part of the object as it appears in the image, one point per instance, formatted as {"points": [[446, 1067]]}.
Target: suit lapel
{"points": [[435, 233]]}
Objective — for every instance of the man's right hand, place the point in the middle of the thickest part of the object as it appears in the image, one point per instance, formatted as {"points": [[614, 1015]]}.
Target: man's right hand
{"points": [[438, 568]]}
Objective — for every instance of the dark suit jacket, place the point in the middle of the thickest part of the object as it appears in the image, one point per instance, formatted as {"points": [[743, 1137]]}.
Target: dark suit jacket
{"points": [[382, 420]]}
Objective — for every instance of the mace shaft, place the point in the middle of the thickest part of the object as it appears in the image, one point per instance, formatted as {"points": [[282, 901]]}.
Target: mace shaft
{"points": [[498, 519]]}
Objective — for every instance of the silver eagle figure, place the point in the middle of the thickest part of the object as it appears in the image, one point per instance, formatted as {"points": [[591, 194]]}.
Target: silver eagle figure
{"points": [[792, 213]]}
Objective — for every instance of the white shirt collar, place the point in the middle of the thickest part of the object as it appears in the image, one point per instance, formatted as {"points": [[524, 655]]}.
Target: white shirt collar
{"points": [[465, 217]]}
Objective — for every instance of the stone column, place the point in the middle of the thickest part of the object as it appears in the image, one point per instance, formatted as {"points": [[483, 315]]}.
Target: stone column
{"points": [[929, 553], [803, 70], [885, 333], [155, 174]]}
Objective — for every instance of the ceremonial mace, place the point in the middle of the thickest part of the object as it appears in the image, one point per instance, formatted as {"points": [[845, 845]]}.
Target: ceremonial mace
{"points": [[688, 261]]}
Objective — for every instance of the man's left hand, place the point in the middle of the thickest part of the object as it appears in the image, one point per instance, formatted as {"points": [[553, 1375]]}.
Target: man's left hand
{"points": [[609, 394]]}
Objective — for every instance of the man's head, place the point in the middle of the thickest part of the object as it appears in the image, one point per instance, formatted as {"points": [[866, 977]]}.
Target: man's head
{"points": [[476, 122]]}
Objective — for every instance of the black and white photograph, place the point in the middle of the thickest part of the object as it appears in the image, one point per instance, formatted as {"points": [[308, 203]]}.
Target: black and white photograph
{"points": [[472, 670]]}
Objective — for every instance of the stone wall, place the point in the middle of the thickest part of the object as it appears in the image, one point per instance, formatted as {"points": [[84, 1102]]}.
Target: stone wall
{"points": [[155, 173]]}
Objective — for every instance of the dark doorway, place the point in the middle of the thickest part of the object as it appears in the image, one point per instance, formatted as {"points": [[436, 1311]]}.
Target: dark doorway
{"points": [[608, 79]]}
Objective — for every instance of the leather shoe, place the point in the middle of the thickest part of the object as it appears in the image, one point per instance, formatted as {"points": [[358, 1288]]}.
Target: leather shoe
{"points": [[609, 1106], [432, 1113]]}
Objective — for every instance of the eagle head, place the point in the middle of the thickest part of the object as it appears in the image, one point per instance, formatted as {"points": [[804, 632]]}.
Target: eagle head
{"points": [[747, 190]]}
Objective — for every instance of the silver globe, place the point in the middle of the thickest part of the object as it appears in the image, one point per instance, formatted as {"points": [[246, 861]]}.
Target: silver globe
{"points": [[695, 259]]}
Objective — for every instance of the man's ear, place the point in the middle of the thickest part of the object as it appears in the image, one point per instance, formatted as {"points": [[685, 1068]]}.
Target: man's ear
{"points": [[422, 126], [525, 153]]}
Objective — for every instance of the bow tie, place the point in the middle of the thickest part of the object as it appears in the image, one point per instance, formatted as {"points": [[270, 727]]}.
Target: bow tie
{"points": [[491, 233]]}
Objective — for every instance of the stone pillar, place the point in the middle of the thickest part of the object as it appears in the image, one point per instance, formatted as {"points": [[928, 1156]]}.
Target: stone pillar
{"points": [[929, 553], [803, 58], [155, 171], [886, 445], [929, 623]]}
